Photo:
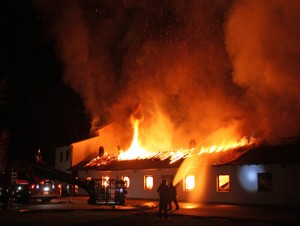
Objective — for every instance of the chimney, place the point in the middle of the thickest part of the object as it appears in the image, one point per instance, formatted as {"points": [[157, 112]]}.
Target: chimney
{"points": [[101, 151]]}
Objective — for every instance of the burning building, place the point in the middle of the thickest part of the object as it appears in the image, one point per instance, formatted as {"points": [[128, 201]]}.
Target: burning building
{"points": [[211, 77], [245, 172]]}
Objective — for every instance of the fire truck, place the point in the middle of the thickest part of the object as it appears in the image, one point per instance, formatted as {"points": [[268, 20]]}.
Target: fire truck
{"points": [[101, 191], [107, 192], [46, 190], [20, 190]]}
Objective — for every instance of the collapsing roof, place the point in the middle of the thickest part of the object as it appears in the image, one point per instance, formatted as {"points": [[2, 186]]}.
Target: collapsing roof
{"points": [[263, 154], [105, 163]]}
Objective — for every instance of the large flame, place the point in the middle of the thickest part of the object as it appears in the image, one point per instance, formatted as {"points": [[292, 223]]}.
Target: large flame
{"points": [[222, 140], [228, 141], [135, 151]]}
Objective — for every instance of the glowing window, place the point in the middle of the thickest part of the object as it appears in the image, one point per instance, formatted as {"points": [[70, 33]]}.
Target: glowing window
{"points": [[190, 182], [105, 182], [127, 181], [148, 182], [223, 183]]}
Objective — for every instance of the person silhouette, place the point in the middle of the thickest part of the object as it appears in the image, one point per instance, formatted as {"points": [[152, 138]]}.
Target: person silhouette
{"points": [[163, 192], [172, 196]]}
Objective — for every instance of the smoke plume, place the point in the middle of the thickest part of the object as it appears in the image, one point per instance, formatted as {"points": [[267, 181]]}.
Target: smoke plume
{"points": [[263, 43], [195, 67]]}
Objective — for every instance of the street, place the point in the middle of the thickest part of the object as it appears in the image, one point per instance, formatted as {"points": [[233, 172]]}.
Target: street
{"points": [[199, 214]]}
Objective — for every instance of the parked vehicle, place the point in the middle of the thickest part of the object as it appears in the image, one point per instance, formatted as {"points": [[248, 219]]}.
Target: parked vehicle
{"points": [[101, 191], [20, 191], [46, 190]]}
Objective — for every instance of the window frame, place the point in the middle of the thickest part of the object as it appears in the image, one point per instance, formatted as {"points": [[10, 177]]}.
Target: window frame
{"points": [[264, 182], [219, 187], [127, 182], [146, 187], [185, 184]]}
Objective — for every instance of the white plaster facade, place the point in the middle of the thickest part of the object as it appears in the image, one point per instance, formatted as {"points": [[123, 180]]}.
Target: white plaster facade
{"points": [[243, 184], [63, 158]]}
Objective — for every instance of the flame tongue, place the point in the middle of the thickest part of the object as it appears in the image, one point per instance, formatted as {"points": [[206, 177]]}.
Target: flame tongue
{"points": [[224, 146], [135, 151]]}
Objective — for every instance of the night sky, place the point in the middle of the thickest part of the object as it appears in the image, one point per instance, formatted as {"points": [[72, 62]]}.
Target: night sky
{"points": [[40, 110]]}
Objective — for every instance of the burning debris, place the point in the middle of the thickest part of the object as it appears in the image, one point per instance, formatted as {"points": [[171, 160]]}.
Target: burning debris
{"points": [[101, 160], [137, 152], [172, 156]]}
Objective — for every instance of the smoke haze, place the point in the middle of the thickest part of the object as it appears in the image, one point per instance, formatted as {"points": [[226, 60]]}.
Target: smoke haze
{"points": [[195, 67], [263, 42]]}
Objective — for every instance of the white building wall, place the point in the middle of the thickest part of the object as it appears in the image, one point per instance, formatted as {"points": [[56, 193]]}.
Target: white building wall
{"points": [[63, 158], [109, 138], [136, 188], [243, 184]]}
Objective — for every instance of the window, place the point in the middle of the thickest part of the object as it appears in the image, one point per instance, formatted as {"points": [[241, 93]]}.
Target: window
{"points": [[61, 156], [126, 180], [189, 182], [264, 182], [148, 182], [67, 155], [223, 183], [105, 181]]}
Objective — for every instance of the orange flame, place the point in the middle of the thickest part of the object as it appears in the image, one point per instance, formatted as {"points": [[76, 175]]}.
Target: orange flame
{"points": [[226, 138], [136, 151], [224, 146]]}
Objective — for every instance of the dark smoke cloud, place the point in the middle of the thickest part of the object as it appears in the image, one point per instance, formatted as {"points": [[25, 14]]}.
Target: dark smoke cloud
{"points": [[194, 66]]}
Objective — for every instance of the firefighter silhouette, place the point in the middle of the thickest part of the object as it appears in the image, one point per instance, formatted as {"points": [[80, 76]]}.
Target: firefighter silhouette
{"points": [[172, 196], [163, 192]]}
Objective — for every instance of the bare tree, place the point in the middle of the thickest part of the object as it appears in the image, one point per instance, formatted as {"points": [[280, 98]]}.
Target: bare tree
{"points": [[3, 149], [3, 132]]}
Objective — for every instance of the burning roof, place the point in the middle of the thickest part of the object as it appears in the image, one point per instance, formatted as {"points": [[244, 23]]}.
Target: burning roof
{"points": [[139, 164], [263, 154], [111, 162], [226, 150], [229, 148]]}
